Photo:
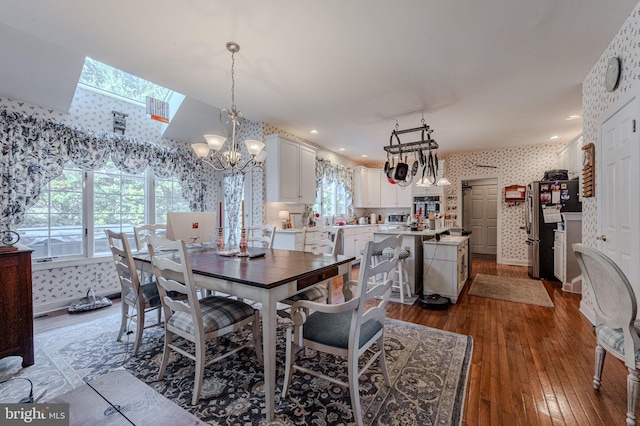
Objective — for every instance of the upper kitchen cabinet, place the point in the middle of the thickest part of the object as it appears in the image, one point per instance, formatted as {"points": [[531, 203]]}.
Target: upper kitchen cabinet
{"points": [[291, 171], [366, 187], [395, 195], [570, 157]]}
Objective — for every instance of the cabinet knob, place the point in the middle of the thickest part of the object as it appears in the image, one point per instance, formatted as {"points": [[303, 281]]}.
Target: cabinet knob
{"points": [[602, 237]]}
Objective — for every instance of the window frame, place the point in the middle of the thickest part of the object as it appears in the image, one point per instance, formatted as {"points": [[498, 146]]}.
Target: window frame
{"points": [[88, 255]]}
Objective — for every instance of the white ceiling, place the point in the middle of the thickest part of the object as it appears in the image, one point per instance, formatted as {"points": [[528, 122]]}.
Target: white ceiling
{"points": [[485, 74]]}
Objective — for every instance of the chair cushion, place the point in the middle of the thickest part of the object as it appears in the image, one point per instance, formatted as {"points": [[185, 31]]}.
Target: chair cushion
{"points": [[373, 253], [614, 338], [388, 254], [333, 329], [217, 312], [314, 293], [151, 295]]}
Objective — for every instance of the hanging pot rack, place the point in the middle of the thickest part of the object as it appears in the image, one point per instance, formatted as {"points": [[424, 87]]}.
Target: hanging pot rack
{"points": [[408, 147]]}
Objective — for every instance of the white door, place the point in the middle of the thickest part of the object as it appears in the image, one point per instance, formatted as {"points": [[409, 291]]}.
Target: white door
{"points": [[483, 217], [617, 189]]}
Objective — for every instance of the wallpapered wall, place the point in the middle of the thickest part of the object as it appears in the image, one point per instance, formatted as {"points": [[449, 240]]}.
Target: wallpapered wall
{"points": [[596, 100], [92, 111], [513, 166]]}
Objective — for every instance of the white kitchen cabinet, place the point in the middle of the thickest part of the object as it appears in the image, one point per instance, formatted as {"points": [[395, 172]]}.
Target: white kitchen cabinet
{"points": [[558, 255], [445, 266], [288, 240], [565, 264], [366, 187], [394, 196], [291, 171], [354, 240], [360, 180], [373, 187]]}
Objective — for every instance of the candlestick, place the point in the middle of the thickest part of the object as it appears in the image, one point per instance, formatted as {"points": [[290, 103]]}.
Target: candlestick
{"points": [[220, 211], [243, 243], [220, 244]]}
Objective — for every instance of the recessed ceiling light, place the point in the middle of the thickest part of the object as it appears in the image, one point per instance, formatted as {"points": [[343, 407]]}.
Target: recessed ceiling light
{"points": [[554, 137], [341, 149], [364, 155], [572, 117], [314, 132]]}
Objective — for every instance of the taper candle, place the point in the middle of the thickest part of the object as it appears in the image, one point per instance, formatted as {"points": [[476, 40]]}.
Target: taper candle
{"points": [[220, 211], [242, 214]]}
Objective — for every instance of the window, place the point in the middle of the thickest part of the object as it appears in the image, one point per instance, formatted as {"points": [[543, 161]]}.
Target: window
{"points": [[168, 194], [118, 203], [331, 199], [114, 82], [55, 226]]}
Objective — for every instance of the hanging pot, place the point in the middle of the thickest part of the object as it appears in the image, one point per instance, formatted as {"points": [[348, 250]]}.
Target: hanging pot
{"points": [[414, 165]]}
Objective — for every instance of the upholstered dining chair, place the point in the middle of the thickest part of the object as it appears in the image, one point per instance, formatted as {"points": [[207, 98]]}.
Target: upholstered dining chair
{"points": [[324, 240], [614, 303], [261, 235], [137, 300], [346, 329], [195, 320], [140, 232]]}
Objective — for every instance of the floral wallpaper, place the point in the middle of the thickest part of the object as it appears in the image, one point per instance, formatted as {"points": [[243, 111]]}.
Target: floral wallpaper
{"points": [[596, 100], [513, 166]]}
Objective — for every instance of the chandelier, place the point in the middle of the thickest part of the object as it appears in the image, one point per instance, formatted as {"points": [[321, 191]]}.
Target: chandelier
{"points": [[223, 153]]}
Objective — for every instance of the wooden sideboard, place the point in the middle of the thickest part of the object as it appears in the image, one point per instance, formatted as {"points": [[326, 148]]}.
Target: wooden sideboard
{"points": [[16, 306]]}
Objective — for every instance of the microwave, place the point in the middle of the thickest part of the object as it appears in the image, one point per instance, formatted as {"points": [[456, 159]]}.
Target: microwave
{"points": [[397, 218]]}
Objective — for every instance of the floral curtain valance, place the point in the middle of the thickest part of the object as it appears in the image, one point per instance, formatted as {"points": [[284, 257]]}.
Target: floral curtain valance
{"points": [[334, 172], [35, 150]]}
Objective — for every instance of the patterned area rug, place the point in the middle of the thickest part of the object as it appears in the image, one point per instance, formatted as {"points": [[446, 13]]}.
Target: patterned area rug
{"points": [[428, 370], [518, 290]]}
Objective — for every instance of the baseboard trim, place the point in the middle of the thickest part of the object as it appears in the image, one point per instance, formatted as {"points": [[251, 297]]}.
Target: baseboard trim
{"points": [[47, 308], [515, 262]]}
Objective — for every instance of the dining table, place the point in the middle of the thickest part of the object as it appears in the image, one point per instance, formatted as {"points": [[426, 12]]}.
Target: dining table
{"points": [[266, 276]]}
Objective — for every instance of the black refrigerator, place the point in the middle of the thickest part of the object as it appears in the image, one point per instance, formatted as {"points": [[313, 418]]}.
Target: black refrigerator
{"points": [[545, 201]]}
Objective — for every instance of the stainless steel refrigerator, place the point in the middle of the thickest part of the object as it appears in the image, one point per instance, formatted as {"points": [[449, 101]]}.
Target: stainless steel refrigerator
{"points": [[545, 201]]}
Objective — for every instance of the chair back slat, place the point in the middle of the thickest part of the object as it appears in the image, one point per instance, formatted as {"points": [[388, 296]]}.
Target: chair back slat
{"points": [[123, 260], [173, 273], [140, 232], [326, 242], [261, 235], [380, 292]]}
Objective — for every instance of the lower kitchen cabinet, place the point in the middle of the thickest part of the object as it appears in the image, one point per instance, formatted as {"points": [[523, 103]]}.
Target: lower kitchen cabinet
{"points": [[354, 240], [288, 239], [565, 264], [445, 266]]}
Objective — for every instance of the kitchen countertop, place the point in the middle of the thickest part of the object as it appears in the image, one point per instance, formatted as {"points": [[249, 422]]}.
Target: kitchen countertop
{"points": [[425, 233], [449, 239]]}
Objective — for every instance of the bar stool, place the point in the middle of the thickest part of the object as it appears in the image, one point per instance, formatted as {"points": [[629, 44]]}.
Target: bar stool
{"points": [[375, 259], [401, 271]]}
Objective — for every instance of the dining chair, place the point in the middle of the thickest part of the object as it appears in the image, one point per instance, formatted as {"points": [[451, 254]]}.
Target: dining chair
{"points": [[199, 320], [347, 329], [140, 232], [324, 240], [137, 299], [261, 235], [615, 306]]}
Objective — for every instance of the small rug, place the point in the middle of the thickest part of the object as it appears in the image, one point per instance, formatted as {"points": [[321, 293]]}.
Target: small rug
{"points": [[519, 290], [428, 369]]}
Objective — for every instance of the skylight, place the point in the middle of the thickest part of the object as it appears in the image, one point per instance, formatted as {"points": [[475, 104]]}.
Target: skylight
{"points": [[112, 81]]}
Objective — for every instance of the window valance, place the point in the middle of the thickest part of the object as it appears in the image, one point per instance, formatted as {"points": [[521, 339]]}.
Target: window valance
{"points": [[334, 172], [34, 151]]}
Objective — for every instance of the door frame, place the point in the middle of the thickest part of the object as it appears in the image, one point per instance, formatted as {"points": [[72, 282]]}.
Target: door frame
{"points": [[612, 110], [498, 207]]}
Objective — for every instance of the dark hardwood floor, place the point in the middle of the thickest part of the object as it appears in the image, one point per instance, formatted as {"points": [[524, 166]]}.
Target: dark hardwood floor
{"points": [[531, 365]]}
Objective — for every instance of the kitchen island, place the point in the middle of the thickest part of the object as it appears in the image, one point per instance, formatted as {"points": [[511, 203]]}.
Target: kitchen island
{"points": [[412, 241], [446, 266]]}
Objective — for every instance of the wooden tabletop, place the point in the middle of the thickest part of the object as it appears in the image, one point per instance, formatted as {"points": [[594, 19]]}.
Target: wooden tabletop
{"points": [[277, 267]]}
